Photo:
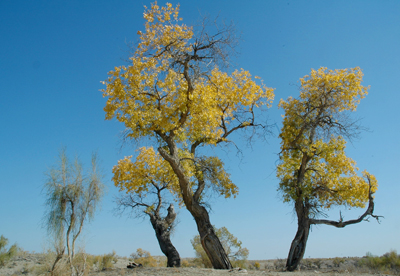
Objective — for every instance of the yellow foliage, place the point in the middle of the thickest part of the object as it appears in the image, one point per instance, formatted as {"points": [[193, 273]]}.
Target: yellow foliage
{"points": [[150, 95], [149, 169], [144, 257], [156, 96], [327, 174]]}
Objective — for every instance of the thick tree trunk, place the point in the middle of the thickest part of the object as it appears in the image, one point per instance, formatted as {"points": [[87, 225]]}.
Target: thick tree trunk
{"points": [[209, 240], [169, 250], [163, 227], [298, 246]]}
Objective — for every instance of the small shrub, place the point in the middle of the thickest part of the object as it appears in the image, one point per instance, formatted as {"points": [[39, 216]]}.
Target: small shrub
{"points": [[144, 257], [257, 265], [387, 262], [47, 261], [189, 263], [6, 255], [185, 263], [108, 260], [232, 246], [337, 261], [280, 264], [81, 264], [307, 263], [239, 263], [103, 262], [317, 262]]}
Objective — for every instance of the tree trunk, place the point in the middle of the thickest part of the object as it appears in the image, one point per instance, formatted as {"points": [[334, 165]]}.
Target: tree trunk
{"points": [[209, 240], [58, 258], [163, 227], [169, 250], [298, 246]]}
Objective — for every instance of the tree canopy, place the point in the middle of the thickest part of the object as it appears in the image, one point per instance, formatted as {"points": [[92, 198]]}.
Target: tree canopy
{"points": [[147, 182], [313, 139], [173, 85], [148, 172]]}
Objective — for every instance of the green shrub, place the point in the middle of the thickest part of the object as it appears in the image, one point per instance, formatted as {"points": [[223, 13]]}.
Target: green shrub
{"points": [[6, 255], [257, 265], [337, 261], [232, 246], [387, 262]]}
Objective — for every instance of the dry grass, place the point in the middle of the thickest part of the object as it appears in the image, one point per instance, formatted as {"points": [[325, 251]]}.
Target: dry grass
{"points": [[111, 264]]}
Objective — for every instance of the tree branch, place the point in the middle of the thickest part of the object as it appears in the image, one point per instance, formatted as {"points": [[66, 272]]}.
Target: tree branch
{"points": [[340, 223]]}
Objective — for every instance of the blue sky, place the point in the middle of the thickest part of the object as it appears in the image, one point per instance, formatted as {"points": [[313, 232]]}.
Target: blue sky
{"points": [[53, 55]]}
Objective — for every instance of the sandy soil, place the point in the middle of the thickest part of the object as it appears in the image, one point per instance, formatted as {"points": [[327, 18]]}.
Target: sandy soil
{"points": [[34, 264]]}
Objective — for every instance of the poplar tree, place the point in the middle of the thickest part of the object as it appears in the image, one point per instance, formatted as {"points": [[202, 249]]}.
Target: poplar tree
{"points": [[175, 91], [314, 171]]}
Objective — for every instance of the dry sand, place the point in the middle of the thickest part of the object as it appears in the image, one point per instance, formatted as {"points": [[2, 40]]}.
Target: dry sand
{"points": [[33, 264]]}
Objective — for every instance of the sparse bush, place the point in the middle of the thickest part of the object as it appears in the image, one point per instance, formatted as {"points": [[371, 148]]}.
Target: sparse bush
{"points": [[317, 262], [257, 265], [6, 255], [46, 264], [185, 263], [80, 264], [242, 263], [162, 261], [108, 260], [387, 262], [337, 261], [190, 262], [280, 264], [232, 246], [102, 262], [144, 257], [306, 263]]}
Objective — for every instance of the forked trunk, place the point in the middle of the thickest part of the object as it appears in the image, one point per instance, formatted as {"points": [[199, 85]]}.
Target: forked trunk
{"points": [[163, 228], [169, 250], [58, 258], [209, 240]]}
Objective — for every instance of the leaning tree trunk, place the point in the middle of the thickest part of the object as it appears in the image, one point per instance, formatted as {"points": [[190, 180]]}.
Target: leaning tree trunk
{"points": [[209, 240], [298, 246], [169, 250], [163, 227]]}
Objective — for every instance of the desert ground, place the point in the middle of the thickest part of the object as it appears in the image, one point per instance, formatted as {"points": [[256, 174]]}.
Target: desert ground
{"points": [[38, 264]]}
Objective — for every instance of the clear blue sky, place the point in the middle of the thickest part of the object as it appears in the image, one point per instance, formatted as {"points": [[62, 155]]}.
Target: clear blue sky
{"points": [[53, 55]]}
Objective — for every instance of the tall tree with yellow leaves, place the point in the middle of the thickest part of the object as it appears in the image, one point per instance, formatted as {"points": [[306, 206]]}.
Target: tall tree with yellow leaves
{"points": [[175, 92], [314, 171]]}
